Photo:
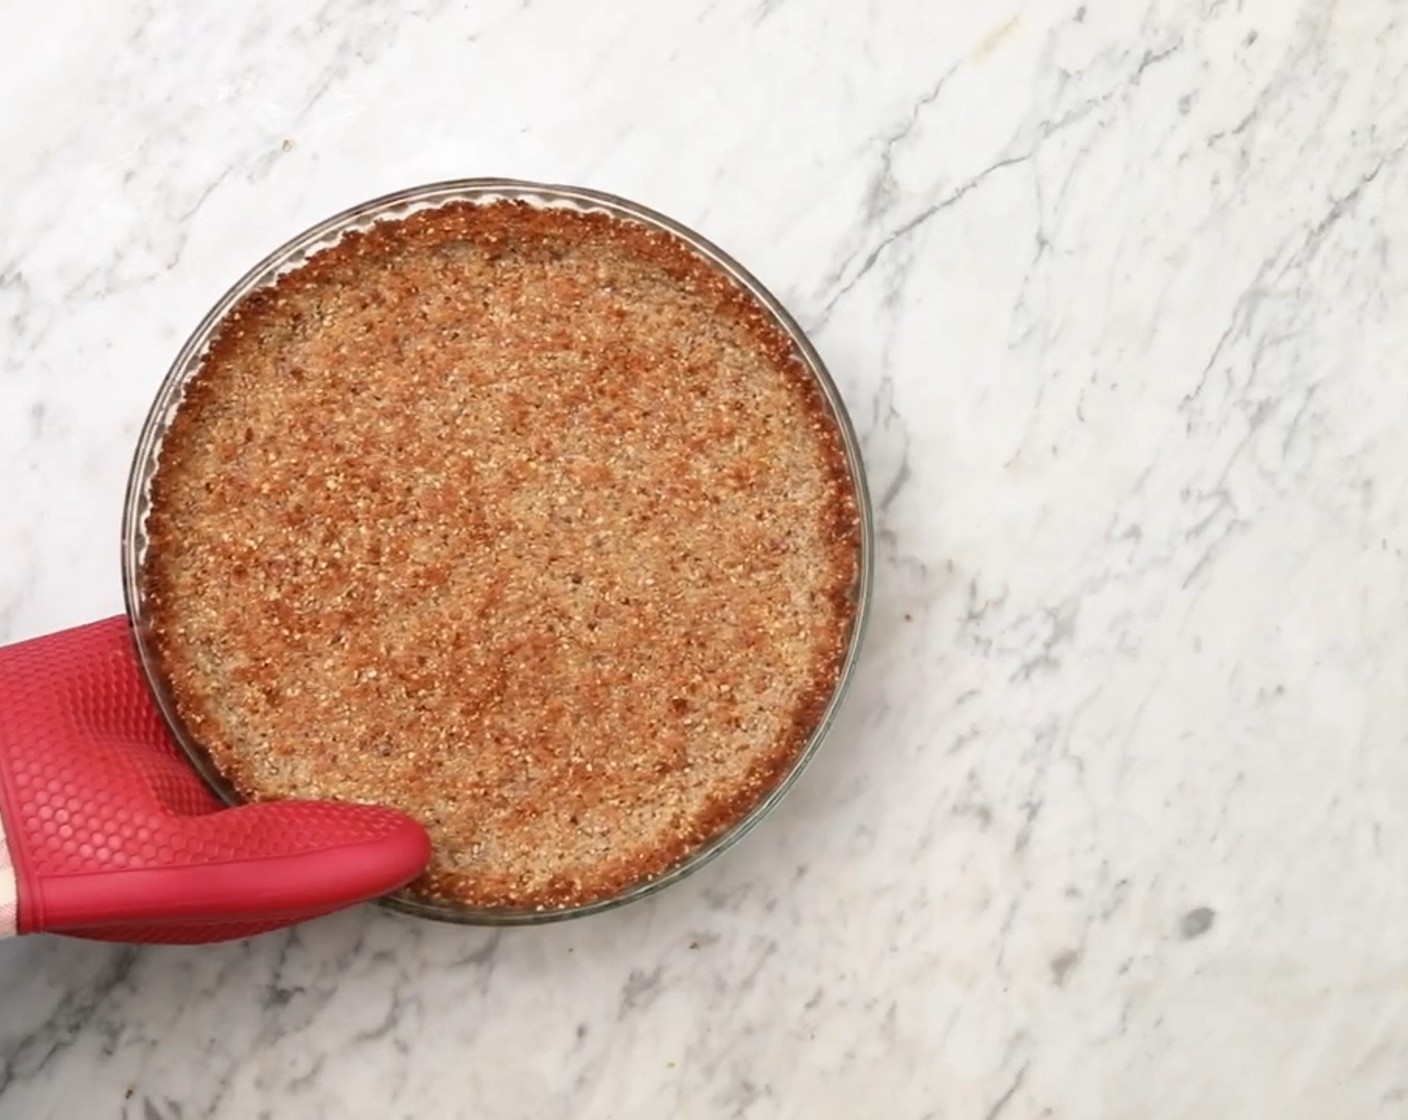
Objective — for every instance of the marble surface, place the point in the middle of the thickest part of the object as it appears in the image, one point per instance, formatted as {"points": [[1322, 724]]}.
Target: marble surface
{"points": [[1112, 825]]}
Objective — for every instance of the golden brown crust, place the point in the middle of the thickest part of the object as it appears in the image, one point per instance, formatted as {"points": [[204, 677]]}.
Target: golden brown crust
{"points": [[526, 521]]}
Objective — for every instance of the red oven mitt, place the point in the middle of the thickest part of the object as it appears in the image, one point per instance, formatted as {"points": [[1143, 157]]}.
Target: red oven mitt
{"points": [[107, 833]]}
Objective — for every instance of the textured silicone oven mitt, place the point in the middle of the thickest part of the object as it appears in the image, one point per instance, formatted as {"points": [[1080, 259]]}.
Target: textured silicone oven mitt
{"points": [[107, 833]]}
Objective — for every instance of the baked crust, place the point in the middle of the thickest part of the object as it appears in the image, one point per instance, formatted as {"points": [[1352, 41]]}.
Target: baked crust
{"points": [[526, 521]]}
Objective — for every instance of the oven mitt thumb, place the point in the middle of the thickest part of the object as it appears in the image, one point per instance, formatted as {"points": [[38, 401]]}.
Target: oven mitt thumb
{"points": [[106, 831]]}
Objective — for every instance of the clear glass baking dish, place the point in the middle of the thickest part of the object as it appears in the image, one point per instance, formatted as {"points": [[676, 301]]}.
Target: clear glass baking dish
{"points": [[296, 252]]}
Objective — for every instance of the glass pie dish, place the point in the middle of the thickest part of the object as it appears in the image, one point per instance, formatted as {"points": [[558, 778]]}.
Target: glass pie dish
{"points": [[297, 252]]}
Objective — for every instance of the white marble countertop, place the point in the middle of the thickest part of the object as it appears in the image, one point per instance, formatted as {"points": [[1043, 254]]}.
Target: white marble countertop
{"points": [[1113, 824]]}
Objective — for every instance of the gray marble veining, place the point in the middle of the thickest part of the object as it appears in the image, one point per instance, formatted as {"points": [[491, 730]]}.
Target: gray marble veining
{"points": [[1112, 824]]}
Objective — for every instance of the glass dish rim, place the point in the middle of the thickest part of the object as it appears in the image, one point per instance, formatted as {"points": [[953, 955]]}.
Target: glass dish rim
{"points": [[294, 252]]}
